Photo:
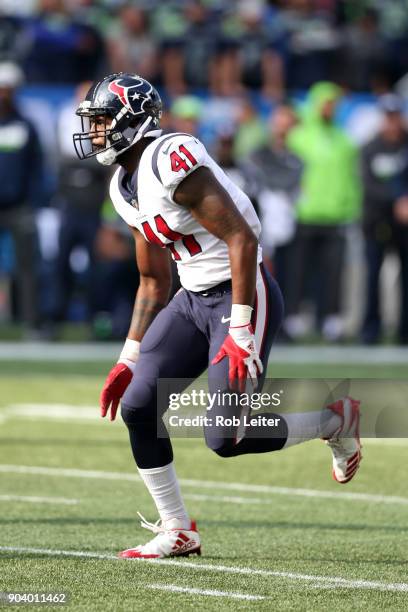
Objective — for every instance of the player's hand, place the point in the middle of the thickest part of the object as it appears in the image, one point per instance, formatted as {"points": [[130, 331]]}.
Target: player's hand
{"points": [[119, 378], [115, 385], [240, 348]]}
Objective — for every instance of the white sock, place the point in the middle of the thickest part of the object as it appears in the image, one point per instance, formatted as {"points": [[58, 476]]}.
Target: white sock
{"points": [[310, 425], [163, 486]]}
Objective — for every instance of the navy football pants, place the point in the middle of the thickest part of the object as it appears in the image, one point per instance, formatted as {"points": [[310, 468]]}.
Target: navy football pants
{"points": [[181, 343]]}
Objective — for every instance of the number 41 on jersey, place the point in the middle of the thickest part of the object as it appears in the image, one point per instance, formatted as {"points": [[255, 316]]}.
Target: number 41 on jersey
{"points": [[185, 163]]}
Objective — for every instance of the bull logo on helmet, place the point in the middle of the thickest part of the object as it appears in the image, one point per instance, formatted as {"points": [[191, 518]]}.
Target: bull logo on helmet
{"points": [[127, 94]]}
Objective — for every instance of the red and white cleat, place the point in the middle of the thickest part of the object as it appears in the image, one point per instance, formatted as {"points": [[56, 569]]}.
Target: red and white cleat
{"points": [[167, 543], [345, 443]]}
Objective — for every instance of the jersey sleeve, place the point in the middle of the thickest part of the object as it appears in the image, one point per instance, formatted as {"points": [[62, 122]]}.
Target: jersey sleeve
{"points": [[122, 208], [178, 158]]}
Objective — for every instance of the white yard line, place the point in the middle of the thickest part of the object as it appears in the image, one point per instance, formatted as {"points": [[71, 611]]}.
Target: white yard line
{"points": [[32, 499], [68, 472], [236, 486], [228, 499], [207, 484], [47, 412], [324, 581], [51, 552], [173, 588]]}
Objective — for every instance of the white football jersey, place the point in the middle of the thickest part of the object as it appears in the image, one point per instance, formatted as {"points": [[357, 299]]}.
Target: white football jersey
{"points": [[146, 203]]}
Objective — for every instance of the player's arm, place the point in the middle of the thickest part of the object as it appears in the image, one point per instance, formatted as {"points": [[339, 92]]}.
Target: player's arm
{"points": [[214, 209], [152, 295]]}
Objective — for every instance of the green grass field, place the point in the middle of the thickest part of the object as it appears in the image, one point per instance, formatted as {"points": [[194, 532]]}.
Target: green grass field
{"points": [[277, 532]]}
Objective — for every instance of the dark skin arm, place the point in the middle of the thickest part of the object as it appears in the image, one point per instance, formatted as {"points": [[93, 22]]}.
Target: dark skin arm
{"points": [[155, 281], [214, 209]]}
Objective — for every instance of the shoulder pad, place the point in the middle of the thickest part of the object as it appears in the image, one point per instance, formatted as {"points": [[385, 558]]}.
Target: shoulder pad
{"points": [[175, 157]]}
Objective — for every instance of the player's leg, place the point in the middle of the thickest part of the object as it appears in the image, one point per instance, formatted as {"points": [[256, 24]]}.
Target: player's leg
{"points": [[337, 423], [229, 441], [173, 347]]}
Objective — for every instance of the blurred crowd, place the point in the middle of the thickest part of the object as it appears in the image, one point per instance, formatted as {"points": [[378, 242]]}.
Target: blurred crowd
{"points": [[302, 102], [270, 45]]}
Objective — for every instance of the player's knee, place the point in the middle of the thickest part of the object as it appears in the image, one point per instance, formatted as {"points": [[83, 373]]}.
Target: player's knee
{"points": [[128, 414], [225, 451], [223, 447], [132, 415], [139, 402]]}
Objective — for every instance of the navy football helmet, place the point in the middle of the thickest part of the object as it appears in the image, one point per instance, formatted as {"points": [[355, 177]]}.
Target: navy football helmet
{"points": [[134, 107]]}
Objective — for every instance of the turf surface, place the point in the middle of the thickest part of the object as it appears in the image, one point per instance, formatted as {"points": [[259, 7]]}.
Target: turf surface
{"points": [[279, 539]]}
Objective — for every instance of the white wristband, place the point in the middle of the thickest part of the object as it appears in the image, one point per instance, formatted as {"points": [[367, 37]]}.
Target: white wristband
{"points": [[130, 350], [240, 315]]}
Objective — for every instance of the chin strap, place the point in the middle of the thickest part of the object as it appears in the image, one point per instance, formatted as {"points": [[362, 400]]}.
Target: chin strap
{"points": [[153, 134], [108, 157]]}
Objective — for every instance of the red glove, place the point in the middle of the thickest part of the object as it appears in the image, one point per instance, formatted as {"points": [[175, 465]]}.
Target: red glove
{"points": [[115, 385], [240, 348]]}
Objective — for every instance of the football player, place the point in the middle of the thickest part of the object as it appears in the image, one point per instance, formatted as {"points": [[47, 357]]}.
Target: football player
{"points": [[178, 201]]}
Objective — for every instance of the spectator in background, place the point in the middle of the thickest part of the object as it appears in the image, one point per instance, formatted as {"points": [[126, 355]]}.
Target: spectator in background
{"points": [[201, 42], [9, 37], [249, 55], [237, 171], [59, 49], [168, 27], [328, 202], [385, 218], [311, 43], [185, 115], [22, 191], [276, 172], [261, 66], [80, 196], [250, 133], [393, 23], [97, 13], [362, 54], [131, 46], [116, 279]]}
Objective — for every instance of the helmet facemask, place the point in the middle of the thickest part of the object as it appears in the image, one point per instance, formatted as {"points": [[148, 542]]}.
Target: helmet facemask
{"points": [[123, 132]]}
